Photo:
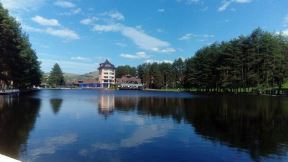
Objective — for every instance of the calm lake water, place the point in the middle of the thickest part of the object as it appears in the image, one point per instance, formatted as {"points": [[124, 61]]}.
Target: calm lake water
{"points": [[98, 125]]}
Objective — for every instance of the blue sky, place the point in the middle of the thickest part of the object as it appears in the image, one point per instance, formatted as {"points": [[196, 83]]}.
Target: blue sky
{"points": [[79, 34]]}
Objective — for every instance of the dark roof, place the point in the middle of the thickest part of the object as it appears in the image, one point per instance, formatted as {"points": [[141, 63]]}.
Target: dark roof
{"points": [[106, 65]]}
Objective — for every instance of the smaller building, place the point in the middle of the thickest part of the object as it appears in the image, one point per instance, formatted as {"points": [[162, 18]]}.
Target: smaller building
{"points": [[106, 74], [89, 83], [129, 82]]}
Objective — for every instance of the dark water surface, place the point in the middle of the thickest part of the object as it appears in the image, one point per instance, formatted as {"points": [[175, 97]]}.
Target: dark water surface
{"points": [[92, 125]]}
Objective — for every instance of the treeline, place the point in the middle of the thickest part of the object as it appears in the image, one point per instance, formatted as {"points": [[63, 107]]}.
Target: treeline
{"points": [[156, 75], [258, 61], [19, 67], [125, 70], [163, 75]]}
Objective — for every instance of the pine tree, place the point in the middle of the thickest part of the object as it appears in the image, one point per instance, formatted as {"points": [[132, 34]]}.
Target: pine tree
{"points": [[56, 77]]}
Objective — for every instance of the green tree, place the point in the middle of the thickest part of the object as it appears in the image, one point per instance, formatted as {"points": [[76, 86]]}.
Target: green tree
{"points": [[19, 65], [56, 77], [125, 70], [178, 68], [258, 61]]}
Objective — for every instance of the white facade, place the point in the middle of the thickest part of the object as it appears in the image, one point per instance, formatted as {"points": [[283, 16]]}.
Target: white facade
{"points": [[106, 74]]}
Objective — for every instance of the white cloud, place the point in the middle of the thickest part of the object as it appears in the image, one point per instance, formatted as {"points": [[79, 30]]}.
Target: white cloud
{"points": [[115, 15], [158, 61], [135, 34], [80, 58], [54, 28], [164, 50], [138, 55], [76, 11], [28, 28], [190, 36], [120, 44], [63, 33], [72, 11], [141, 39], [187, 36], [189, 2], [45, 22], [283, 32], [18, 5], [64, 4], [89, 21], [243, 1], [226, 3], [108, 28]]}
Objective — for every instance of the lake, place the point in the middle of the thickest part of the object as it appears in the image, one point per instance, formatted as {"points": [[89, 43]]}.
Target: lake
{"points": [[142, 126]]}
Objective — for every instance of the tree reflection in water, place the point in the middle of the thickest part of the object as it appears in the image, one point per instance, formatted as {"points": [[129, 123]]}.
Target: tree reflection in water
{"points": [[17, 119], [56, 105], [255, 124]]}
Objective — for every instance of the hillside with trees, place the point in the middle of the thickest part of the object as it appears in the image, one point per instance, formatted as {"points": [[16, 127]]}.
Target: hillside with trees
{"points": [[19, 65]]}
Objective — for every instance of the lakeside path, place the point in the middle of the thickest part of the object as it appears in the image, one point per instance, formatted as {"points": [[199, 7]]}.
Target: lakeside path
{"points": [[165, 90]]}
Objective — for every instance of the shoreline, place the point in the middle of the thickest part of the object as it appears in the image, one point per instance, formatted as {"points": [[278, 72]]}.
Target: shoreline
{"points": [[175, 90]]}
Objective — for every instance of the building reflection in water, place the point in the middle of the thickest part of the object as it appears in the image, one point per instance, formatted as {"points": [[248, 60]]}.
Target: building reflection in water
{"points": [[106, 105]]}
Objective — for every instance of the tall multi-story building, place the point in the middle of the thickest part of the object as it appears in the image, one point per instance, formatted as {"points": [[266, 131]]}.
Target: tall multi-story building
{"points": [[106, 74]]}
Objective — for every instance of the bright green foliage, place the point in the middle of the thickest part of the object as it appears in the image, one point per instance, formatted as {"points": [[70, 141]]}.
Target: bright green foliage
{"points": [[19, 67], [56, 77]]}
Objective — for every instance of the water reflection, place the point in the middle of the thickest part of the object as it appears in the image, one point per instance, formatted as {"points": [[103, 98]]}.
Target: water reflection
{"points": [[106, 104], [143, 124], [56, 105], [17, 118], [256, 124], [49, 145]]}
